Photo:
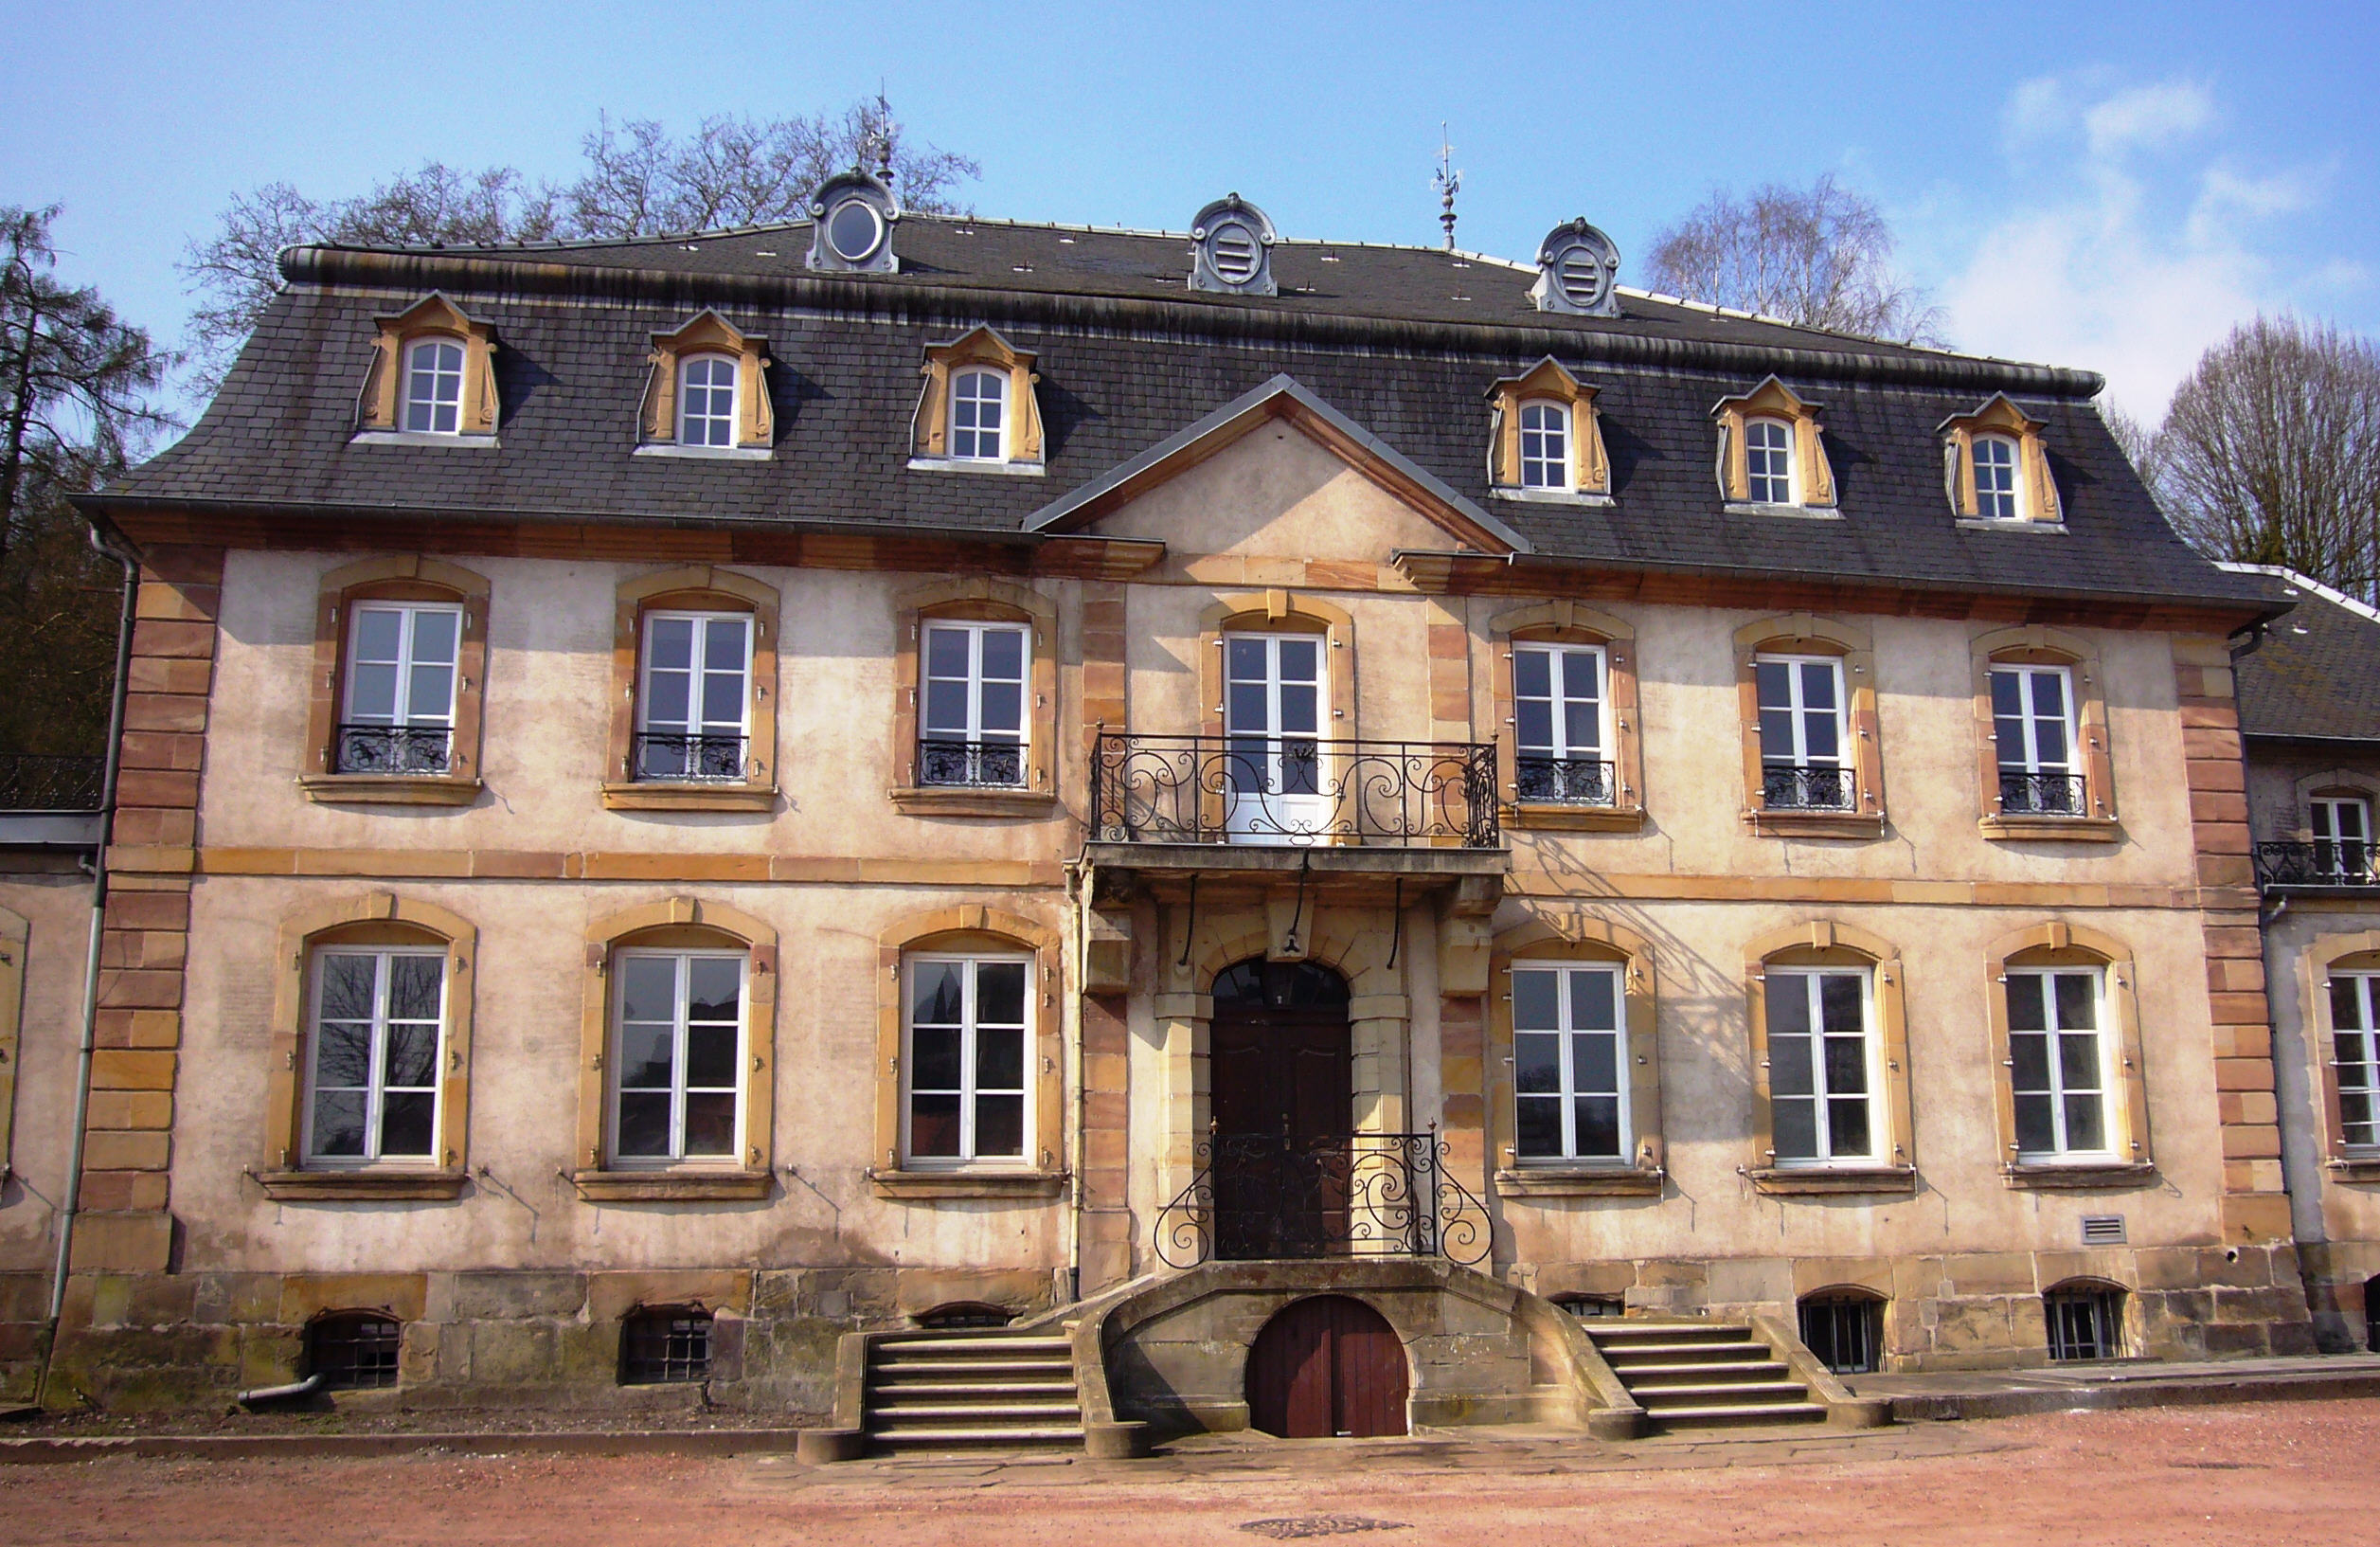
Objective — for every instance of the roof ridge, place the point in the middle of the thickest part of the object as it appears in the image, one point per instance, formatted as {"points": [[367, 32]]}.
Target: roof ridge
{"points": [[2325, 592]]}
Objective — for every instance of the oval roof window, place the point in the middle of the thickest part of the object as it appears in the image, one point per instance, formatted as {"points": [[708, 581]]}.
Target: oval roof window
{"points": [[852, 226], [854, 229]]}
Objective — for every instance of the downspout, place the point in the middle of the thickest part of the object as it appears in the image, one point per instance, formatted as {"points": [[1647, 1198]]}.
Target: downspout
{"points": [[69, 1205]]}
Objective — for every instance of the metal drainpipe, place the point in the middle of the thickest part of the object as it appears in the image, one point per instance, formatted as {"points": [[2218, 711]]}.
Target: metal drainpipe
{"points": [[70, 1204]]}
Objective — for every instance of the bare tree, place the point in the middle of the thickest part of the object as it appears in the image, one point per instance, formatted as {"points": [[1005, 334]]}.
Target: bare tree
{"points": [[639, 181], [2270, 453], [2143, 447], [1820, 257]]}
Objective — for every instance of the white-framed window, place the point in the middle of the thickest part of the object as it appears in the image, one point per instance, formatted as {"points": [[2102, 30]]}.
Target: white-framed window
{"points": [[707, 400], [1570, 1063], [677, 1056], [971, 722], [694, 706], [1805, 733], [1995, 458], [378, 1020], [398, 715], [1545, 446], [1768, 462], [1824, 1073], [978, 415], [2058, 1062], [2032, 732], [2341, 826], [962, 1059], [1558, 733], [2355, 1046], [434, 387]]}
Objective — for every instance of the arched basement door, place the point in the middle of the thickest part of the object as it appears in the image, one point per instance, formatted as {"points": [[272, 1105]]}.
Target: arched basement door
{"points": [[1327, 1366]]}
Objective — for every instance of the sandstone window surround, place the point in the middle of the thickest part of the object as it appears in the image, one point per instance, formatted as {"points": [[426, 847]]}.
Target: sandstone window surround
{"points": [[680, 378], [1553, 942], [432, 379], [378, 920], [1890, 1163], [1803, 636], [2125, 1160], [2339, 975], [2319, 819], [1278, 612], [333, 747], [1808, 477], [15, 932], [1996, 470], [682, 926], [1566, 624], [697, 590], [977, 599], [948, 431], [1519, 451], [2091, 756], [984, 934]]}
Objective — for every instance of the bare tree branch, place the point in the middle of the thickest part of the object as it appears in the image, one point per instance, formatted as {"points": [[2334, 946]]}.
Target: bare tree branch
{"points": [[1820, 257]]}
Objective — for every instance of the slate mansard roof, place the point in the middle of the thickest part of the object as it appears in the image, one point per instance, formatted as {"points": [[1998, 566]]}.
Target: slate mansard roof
{"points": [[1404, 342], [2314, 674]]}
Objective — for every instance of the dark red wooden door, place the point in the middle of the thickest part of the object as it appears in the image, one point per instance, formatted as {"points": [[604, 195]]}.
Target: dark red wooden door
{"points": [[1282, 1066], [1327, 1366]]}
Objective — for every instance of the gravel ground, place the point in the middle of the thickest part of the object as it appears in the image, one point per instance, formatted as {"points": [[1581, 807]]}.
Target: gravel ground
{"points": [[2283, 1472]]}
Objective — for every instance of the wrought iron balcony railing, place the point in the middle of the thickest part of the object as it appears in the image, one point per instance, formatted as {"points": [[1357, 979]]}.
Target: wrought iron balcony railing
{"points": [[671, 756], [392, 749], [38, 782], [2324, 862], [970, 764], [1784, 788], [2024, 793], [1565, 780], [1289, 790], [1260, 1196]]}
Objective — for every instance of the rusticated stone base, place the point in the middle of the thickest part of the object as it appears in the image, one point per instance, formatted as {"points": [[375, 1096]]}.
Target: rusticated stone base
{"points": [[2341, 1294]]}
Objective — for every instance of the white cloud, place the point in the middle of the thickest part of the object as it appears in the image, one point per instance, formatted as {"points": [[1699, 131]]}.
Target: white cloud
{"points": [[2132, 245]]}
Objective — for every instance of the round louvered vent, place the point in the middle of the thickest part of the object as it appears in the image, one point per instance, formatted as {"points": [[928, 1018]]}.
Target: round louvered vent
{"points": [[1231, 249], [1234, 252], [1582, 279], [1575, 266]]}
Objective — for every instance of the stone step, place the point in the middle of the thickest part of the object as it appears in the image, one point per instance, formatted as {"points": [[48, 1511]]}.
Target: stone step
{"points": [[1655, 1399], [1709, 1416], [973, 1344], [980, 1439], [1701, 1370], [972, 1369], [1024, 1390], [1620, 1330], [1627, 1358], [973, 1415]]}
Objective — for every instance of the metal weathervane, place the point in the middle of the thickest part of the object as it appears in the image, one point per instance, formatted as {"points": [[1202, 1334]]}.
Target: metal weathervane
{"points": [[1449, 183]]}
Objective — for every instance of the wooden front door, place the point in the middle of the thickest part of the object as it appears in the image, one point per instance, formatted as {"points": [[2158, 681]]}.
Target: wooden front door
{"points": [[1282, 1071], [1327, 1366]]}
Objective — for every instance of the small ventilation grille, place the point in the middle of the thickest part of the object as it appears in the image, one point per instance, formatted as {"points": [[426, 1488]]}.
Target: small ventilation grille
{"points": [[1582, 279], [2103, 1229], [1235, 254]]}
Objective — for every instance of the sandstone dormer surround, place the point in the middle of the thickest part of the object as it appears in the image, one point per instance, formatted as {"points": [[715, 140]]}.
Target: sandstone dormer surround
{"points": [[979, 348], [660, 423], [380, 407], [1773, 401], [1586, 469], [2035, 493]]}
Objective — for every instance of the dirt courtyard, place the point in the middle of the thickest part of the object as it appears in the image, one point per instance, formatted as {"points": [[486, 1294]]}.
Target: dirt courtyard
{"points": [[2295, 1472]]}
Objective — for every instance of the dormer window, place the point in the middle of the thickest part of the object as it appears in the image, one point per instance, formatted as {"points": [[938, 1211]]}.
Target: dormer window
{"points": [[1543, 441], [978, 402], [852, 221], [1772, 453], [707, 401], [1545, 446], [1768, 462], [1995, 477], [434, 387], [1996, 467]]}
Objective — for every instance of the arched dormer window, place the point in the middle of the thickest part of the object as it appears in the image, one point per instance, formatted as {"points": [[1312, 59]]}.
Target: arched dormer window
{"points": [[1995, 466], [706, 393], [1996, 477], [1772, 452], [1545, 440], [1545, 446], [978, 411], [431, 378]]}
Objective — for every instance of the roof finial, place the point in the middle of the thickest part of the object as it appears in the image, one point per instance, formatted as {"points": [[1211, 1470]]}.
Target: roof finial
{"points": [[884, 132], [1449, 183]]}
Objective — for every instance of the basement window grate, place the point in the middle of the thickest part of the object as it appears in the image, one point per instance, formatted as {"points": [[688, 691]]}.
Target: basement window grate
{"points": [[2103, 1229], [1844, 1331], [966, 1313], [668, 1343], [354, 1352], [1588, 1306], [2085, 1322]]}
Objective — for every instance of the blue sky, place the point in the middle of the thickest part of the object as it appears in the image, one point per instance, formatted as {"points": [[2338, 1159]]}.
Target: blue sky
{"points": [[2110, 186]]}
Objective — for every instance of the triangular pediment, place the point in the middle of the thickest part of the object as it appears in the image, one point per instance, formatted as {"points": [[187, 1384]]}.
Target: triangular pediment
{"points": [[1413, 507]]}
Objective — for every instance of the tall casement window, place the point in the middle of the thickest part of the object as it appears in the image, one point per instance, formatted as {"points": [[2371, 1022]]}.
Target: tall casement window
{"points": [[2356, 1043], [400, 700], [1996, 462], [1545, 446], [1558, 714], [1805, 734], [434, 387], [707, 400], [1569, 1064], [2032, 727], [2058, 1057], [963, 1060], [979, 414], [972, 721], [2341, 829], [693, 704], [677, 1051], [1768, 462], [1275, 700], [372, 1066], [1824, 1073]]}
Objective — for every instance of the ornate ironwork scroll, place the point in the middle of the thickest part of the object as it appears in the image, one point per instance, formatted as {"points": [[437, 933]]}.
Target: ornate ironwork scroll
{"points": [[392, 749], [2025, 794], [1258, 1196], [1214, 789], [2325, 862]]}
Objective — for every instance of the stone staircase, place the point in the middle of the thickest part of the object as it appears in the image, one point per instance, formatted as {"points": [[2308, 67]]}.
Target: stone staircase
{"points": [[974, 1390], [1697, 1375]]}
